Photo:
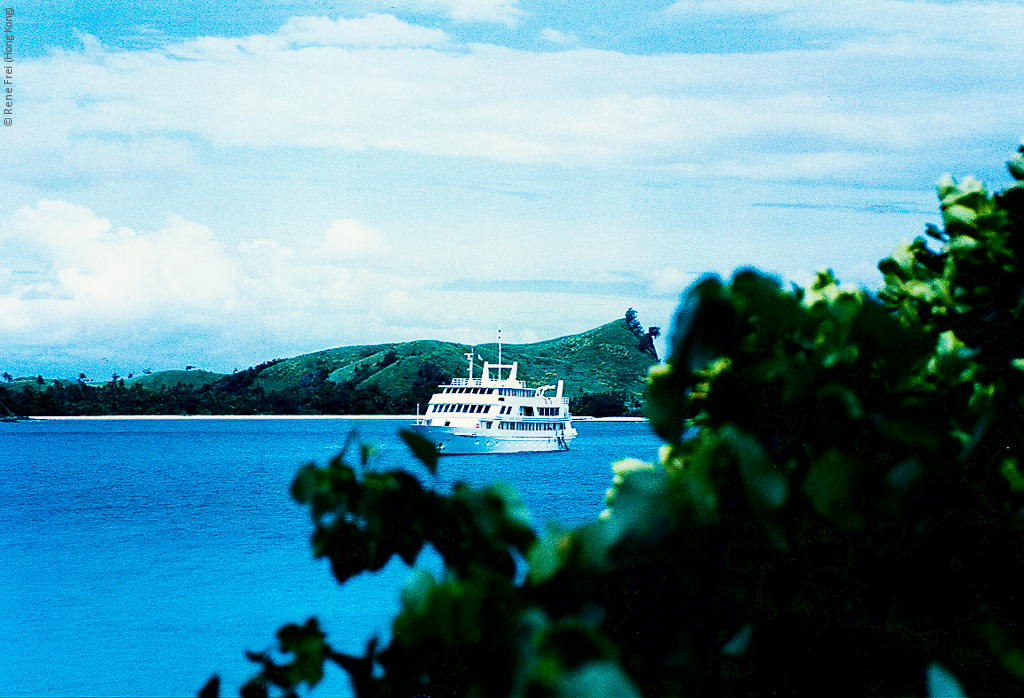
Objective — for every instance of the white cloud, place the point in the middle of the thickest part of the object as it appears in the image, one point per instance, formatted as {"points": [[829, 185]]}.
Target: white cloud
{"points": [[732, 7], [379, 30], [561, 38], [74, 282], [379, 83], [670, 281], [496, 11], [90, 270], [348, 238]]}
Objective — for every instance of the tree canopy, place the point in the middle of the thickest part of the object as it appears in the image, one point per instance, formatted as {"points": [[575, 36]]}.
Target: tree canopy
{"points": [[838, 507]]}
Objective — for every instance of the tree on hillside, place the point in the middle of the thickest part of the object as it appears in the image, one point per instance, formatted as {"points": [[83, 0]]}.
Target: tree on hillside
{"points": [[633, 324], [646, 339], [846, 518]]}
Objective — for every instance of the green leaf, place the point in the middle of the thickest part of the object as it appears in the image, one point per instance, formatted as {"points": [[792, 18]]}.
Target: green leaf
{"points": [[424, 450], [547, 555], [766, 484], [830, 485], [599, 678]]}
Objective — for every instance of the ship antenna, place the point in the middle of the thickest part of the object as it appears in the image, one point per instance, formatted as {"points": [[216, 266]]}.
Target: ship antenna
{"points": [[499, 352]]}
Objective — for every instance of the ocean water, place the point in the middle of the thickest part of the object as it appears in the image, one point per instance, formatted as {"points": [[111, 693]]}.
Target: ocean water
{"points": [[138, 557]]}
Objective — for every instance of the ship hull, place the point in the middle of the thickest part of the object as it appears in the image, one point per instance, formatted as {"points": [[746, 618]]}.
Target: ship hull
{"points": [[463, 441]]}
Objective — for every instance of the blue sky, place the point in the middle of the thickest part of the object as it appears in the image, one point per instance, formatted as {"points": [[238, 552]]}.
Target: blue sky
{"points": [[217, 184]]}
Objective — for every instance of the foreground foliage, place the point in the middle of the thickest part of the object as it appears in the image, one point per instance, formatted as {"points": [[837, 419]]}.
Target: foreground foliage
{"points": [[844, 515]]}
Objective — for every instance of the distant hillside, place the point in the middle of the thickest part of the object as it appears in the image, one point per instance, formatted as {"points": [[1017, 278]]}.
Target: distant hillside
{"points": [[369, 379], [168, 379], [604, 359]]}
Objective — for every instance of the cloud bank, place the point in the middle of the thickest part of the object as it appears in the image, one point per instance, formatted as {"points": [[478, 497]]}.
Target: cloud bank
{"points": [[894, 88], [568, 168]]}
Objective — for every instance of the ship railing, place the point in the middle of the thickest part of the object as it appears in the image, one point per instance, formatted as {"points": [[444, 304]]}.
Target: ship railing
{"points": [[462, 382]]}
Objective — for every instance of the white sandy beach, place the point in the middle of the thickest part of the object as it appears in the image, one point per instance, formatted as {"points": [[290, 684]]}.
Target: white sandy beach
{"points": [[292, 416]]}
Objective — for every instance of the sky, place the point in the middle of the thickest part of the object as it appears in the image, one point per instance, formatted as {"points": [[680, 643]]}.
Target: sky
{"points": [[217, 184]]}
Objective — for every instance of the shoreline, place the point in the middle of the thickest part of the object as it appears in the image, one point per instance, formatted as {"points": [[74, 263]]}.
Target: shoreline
{"points": [[121, 417]]}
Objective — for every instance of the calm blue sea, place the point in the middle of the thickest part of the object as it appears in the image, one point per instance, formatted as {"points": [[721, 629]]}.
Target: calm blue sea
{"points": [[139, 556]]}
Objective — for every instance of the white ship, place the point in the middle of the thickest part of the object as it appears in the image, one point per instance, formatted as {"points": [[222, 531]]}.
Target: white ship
{"points": [[495, 414]]}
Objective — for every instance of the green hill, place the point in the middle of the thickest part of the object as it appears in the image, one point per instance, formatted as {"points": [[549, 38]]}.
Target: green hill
{"points": [[169, 379], [604, 370], [604, 359]]}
